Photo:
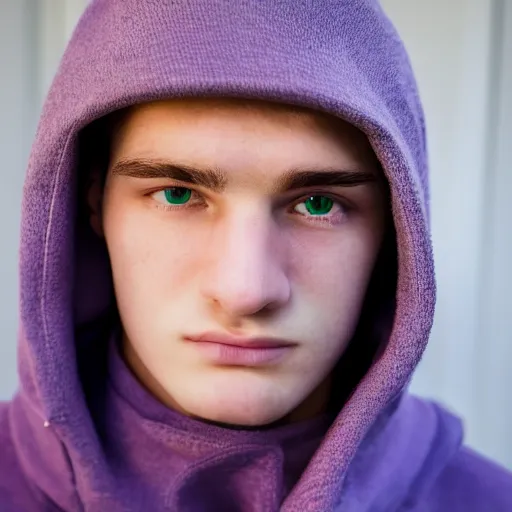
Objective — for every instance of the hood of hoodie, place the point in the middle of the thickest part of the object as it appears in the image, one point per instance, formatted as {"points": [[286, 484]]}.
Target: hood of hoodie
{"points": [[342, 57]]}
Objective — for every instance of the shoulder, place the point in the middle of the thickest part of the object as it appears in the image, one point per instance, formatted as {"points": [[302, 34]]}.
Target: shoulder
{"points": [[16, 494], [470, 483]]}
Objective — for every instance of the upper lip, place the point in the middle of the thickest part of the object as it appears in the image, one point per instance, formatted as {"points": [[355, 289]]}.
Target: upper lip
{"points": [[241, 341]]}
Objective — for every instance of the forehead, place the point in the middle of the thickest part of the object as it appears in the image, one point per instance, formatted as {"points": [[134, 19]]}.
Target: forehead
{"points": [[237, 132]]}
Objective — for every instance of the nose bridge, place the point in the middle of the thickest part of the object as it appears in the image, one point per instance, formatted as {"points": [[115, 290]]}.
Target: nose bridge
{"points": [[247, 273], [247, 245]]}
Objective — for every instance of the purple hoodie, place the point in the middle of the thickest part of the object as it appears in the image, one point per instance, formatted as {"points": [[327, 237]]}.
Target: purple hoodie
{"points": [[81, 434]]}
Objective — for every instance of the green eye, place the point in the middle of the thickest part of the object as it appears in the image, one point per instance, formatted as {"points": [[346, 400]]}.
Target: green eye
{"points": [[318, 205], [177, 195]]}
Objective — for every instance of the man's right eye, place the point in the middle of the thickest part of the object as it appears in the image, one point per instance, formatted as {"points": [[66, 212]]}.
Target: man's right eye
{"points": [[173, 196]]}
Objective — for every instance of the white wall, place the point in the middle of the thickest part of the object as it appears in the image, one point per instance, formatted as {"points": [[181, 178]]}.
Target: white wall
{"points": [[464, 88], [18, 113], [494, 360], [453, 50], [33, 34]]}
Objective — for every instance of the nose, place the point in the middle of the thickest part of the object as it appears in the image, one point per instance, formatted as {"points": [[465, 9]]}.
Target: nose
{"points": [[246, 273]]}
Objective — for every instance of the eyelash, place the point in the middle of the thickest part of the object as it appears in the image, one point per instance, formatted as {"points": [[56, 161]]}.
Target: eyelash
{"points": [[315, 219]]}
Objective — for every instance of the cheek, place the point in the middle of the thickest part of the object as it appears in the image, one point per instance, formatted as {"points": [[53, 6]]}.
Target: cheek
{"points": [[152, 259], [327, 261], [331, 272]]}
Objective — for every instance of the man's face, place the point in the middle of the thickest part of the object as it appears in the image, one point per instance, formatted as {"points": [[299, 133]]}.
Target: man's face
{"points": [[242, 237]]}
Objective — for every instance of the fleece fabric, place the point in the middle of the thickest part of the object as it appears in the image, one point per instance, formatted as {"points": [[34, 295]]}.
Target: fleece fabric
{"points": [[81, 434]]}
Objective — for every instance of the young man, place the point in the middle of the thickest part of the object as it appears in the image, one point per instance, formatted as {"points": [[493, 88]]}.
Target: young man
{"points": [[226, 272]]}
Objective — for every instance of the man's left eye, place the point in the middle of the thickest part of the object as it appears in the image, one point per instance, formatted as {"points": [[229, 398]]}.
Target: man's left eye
{"points": [[316, 206]]}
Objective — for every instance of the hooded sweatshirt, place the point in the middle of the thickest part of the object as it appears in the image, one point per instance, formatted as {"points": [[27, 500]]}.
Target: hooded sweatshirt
{"points": [[82, 434]]}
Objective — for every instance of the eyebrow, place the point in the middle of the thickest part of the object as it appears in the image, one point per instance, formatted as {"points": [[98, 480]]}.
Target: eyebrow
{"points": [[210, 178], [216, 180]]}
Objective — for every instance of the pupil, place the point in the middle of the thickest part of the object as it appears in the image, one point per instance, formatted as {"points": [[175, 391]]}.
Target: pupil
{"points": [[319, 205]]}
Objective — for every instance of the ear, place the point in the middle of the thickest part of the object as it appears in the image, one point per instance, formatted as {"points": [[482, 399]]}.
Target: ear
{"points": [[94, 201]]}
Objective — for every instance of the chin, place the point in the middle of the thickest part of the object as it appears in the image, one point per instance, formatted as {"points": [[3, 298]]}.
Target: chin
{"points": [[248, 406], [245, 418]]}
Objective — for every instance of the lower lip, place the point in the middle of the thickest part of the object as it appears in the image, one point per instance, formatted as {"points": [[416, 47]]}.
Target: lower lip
{"points": [[235, 355]]}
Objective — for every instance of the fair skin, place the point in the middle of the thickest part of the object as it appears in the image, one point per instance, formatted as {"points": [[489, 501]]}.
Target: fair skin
{"points": [[253, 252]]}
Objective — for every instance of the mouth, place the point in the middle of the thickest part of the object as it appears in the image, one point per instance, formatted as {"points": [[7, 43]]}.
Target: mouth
{"points": [[228, 350]]}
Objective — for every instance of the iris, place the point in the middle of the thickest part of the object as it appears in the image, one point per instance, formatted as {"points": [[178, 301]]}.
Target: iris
{"points": [[318, 205], [177, 195]]}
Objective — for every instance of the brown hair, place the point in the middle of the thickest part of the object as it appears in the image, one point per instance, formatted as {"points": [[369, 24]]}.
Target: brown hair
{"points": [[94, 151]]}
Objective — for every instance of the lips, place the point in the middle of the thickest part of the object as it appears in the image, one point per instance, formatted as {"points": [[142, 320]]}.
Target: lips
{"points": [[229, 350], [239, 341]]}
